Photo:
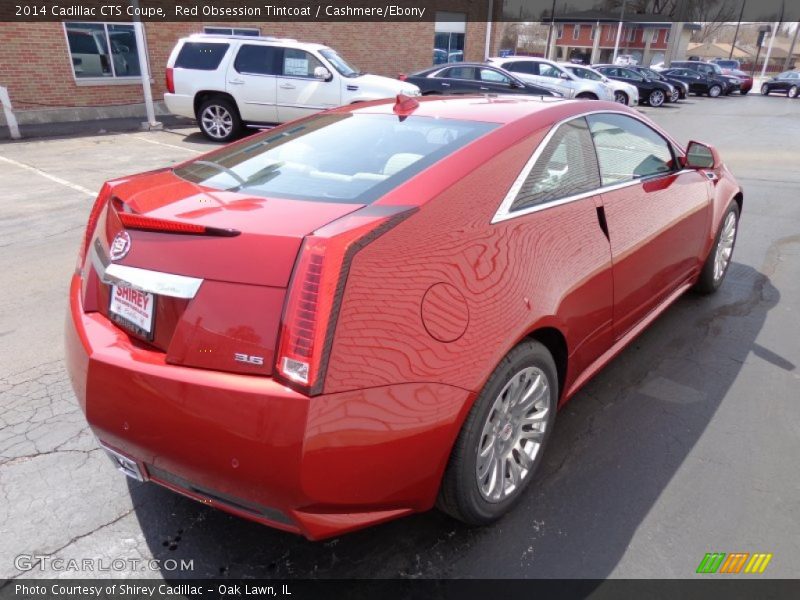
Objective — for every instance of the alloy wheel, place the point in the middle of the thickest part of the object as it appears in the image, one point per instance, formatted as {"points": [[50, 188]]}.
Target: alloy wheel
{"points": [[513, 434], [727, 237], [714, 91], [764, 89], [675, 96], [792, 93], [620, 97], [656, 98], [217, 121]]}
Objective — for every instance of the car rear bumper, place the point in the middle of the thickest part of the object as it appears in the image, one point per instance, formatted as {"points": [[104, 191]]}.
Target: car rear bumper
{"points": [[249, 445], [180, 104]]}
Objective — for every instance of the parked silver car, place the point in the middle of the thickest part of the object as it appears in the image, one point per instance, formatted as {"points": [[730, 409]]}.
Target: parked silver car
{"points": [[555, 77], [624, 93]]}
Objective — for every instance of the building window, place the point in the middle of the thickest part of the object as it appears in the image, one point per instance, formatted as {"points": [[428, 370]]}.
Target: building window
{"points": [[666, 36], [559, 31], [448, 38], [592, 32], [609, 33], [253, 31], [102, 50], [576, 31], [631, 34]]}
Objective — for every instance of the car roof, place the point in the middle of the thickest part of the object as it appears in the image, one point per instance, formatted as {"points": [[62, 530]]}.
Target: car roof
{"points": [[489, 108], [217, 37], [519, 58]]}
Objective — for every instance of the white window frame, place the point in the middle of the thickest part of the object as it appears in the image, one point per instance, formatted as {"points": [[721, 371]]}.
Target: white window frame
{"points": [[631, 34], [666, 35], [576, 31], [592, 32], [559, 31], [114, 79]]}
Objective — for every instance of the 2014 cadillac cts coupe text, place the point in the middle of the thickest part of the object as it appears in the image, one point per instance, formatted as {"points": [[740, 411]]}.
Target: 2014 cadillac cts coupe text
{"points": [[380, 308]]}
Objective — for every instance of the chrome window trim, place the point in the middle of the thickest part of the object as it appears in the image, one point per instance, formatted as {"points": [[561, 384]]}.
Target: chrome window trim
{"points": [[504, 212], [145, 280]]}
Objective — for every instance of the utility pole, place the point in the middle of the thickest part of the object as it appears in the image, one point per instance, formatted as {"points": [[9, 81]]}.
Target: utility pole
{"points": [[550, 30], [736, 33], [787, 64], [772, 41], [144, 70], [619, 32]]}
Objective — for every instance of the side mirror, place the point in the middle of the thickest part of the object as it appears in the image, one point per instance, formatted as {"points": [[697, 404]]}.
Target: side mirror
{"points": [[701, 156], [516, 84], [564, 75], [322, 73]]}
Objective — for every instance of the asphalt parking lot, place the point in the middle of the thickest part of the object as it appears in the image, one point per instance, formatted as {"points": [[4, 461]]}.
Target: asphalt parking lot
{"points": [[686, 444]]}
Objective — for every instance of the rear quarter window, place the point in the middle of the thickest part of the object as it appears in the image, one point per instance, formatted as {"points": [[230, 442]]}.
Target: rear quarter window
{"points": [[202, 56]]}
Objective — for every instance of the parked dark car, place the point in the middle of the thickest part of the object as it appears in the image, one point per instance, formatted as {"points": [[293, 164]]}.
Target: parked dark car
{"points": [[471, 78], [699, 83], [729, 83], [655, 93], [681, 89], [788, 82]]}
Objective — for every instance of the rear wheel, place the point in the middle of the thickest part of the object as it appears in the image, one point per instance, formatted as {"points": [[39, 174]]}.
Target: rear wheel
{"points": [[621, 98], [656, 98], [586, 96], [501, 443], [744, 92], [219, 119], [764, 90], [792, 92], [714, 91], [719, 259]]}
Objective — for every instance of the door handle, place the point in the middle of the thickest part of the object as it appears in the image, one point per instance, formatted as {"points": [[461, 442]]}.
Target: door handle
{"points": [[485, 89], [236, 81], [287, 86], [445, 85]]}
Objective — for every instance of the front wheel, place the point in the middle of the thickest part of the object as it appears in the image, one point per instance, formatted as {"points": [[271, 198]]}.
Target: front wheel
{"points": [[792, 92], [764, 90], [621, 98], [656, 98], [501, 443], [675, 96], [714, 91], [719, 259], [744, 92]]}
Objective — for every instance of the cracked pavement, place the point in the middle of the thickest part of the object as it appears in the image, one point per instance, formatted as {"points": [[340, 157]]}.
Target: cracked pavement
{"points": [[685, 444]]}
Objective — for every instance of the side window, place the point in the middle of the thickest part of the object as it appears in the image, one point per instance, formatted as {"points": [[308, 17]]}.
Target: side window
{"points": [[521, 66], [627, 149], [458, 73], [546, 70], [258, 60], [492, 76], [628, 74], [200, 55], [298, 63], [566, 166]]}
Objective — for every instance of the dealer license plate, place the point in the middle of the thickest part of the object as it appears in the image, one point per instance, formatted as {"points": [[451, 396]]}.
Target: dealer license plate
{"points": [[133, 310]]}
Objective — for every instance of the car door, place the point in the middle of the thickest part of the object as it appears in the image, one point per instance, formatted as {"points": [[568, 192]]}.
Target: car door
{"points": [[492, 81], [550, 77], [657, 214], [458, 80], [252, 81], [299, 92]]}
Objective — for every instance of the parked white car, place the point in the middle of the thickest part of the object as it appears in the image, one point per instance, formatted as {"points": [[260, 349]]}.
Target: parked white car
{"points": [[624, 60], [624, 93], [228, 82], [553, 76]]}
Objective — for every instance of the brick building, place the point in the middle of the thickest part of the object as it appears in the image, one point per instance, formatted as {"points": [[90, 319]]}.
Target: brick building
{"points": [[62, 71]]}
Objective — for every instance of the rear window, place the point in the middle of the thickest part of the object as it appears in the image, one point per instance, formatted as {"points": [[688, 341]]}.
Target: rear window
{"points": [[345, 157], [203, 56]]}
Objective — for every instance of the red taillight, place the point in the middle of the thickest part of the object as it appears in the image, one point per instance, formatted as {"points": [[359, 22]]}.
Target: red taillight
{"points": [[170, 81], [311, 309], [94, 216], [402, 76], [131, 220]]}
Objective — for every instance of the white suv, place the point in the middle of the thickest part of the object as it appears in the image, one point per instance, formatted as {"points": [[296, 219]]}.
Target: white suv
{"points": [[227, 82], [554, 77]]}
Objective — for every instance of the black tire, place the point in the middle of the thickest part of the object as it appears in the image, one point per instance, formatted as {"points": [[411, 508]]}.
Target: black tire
{"points": [[675, 96], [707, 283], [460, 495], [587, 96], [229, 126], [765, 90], [656, 98], [792, 92], [744, 92], [621, 98], [714, 91]]}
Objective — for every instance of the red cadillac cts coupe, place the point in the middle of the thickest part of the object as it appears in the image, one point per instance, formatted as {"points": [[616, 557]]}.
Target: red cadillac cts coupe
{"points": [[380, 308]]}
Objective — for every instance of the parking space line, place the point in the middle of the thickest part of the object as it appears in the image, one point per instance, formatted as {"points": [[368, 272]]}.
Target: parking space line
{"points": [[64, 182], [144, 139]]}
